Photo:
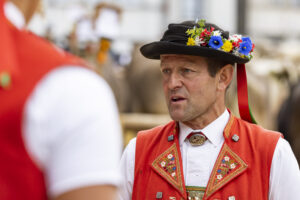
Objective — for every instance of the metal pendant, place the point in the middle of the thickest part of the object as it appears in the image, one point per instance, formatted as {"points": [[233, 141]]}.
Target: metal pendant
{"points": [[197, 139]]}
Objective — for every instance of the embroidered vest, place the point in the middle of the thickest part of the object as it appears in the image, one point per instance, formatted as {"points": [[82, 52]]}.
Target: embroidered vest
{"points": [[20, 178], [241, 170]]}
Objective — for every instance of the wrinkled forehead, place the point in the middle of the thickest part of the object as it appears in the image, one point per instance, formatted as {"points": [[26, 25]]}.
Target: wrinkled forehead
{"points": [[176, 58]]}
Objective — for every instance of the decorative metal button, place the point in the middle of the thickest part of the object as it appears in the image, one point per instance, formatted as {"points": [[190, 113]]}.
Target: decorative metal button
{"points": [[235, 137], [159, 195], [196, 139], [231, 198], [5, 80], [170, 138]]}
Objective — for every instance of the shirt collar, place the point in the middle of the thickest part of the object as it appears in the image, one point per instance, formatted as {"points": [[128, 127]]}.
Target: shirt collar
{"points": [[14, 15], [213, 131]]}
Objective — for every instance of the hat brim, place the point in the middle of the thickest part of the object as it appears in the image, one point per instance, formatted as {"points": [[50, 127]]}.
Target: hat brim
{"points": [[155, 49]]}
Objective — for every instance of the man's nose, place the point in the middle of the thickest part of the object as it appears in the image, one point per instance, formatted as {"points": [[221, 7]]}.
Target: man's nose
{"points": [[175, 81]]}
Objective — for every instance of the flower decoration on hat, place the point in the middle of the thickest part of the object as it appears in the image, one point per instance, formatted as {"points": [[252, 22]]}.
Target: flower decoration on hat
{"points": [[211, 38]]}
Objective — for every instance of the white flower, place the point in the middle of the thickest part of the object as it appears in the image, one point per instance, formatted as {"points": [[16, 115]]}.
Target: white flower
{"points": [[235, 37], [163, 163], [219, 177], [173, 174], [226, 158], [199, 41], [236, 52], [232, 166], [216, 33], [170, 156]]}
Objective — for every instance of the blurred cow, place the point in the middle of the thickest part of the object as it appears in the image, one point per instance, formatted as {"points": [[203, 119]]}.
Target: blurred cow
{"points": [[289, 119]]}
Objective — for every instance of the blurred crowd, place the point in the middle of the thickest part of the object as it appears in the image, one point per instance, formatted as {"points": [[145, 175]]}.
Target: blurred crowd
{"points": [[273, 75]]}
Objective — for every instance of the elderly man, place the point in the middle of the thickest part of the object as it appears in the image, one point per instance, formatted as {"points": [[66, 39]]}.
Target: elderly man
{"points": [[206, 152], [58, 119]]}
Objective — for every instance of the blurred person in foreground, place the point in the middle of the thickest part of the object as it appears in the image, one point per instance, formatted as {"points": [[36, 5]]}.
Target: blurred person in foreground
{"points": [[60, 136], [206, 152]]}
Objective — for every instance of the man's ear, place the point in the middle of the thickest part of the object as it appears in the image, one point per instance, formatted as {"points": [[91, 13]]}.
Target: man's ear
{"points": [[225, 76]]}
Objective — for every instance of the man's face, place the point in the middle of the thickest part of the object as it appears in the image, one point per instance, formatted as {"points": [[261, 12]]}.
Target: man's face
{"points": [[191, 93]]}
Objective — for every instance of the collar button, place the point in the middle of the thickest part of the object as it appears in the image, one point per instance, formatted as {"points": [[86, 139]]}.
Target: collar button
{"points": [[235, 138], [170, 138]]}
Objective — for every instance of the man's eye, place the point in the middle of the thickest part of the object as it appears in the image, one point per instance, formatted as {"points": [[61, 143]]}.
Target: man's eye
{"points": [[166, 71], [186, 70]]}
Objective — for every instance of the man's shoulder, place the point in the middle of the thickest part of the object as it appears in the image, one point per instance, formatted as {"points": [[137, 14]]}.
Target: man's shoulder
{"points": [[148, 140], [47, 52], [255, 130]]}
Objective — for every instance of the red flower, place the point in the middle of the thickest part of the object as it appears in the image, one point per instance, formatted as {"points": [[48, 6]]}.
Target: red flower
{"points": [[205, 33], [253, 46], [237, 43]]}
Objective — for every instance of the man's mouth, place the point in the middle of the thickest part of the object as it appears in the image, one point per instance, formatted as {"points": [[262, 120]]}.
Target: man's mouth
{"points": [[177, 99]]}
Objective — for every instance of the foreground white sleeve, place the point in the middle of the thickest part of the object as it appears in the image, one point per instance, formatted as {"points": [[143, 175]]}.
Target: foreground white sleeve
{"points": [[72, 130], [285, 173], [127, 169]]}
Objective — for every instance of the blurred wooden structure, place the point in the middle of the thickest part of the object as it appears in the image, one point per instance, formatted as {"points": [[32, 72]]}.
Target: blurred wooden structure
{"points": [[134, 122]]}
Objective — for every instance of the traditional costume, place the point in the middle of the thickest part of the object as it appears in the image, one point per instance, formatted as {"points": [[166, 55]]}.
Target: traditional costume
{"points": [[238, 160]]}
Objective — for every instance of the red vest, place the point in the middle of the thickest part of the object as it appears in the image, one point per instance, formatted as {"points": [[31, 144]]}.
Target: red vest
{"points": [[242, 168], [20, 178]]}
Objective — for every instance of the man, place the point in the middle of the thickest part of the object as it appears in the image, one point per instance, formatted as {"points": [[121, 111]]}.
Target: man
{"points": [[60, 135], [206, 152], [106, 21]]}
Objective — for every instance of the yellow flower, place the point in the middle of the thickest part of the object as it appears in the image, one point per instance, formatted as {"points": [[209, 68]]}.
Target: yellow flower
{"points": [[227, 46], [191, 42]]}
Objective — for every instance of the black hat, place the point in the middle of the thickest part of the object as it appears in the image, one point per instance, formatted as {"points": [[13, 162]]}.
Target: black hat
{"points": [[200, 39], [208, 40]]}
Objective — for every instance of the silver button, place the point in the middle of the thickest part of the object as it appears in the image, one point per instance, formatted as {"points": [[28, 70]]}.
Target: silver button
{"points": [[231, 198], [170, 138], [159, 195], [235, 137]]}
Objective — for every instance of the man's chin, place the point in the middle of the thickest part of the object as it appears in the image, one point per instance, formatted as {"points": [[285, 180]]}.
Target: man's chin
{"points": [[176, 116]]}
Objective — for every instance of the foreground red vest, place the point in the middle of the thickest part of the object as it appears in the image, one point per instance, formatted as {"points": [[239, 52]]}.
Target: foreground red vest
{"points": [[20, 178], [242, 168]]}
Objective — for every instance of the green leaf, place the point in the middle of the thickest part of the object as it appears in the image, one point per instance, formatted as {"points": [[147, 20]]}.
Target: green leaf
{"points": [[201, 23]]}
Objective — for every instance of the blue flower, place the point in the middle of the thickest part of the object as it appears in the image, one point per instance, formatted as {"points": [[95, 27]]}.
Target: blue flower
{"points": [[174, 168], [172, 158], [219, 171], [245, 46], [247, 39], [215, 42]]}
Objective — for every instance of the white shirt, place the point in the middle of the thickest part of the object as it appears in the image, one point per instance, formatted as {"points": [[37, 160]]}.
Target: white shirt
{"points": [[71, 128], [14, 15], [284, 175]]}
